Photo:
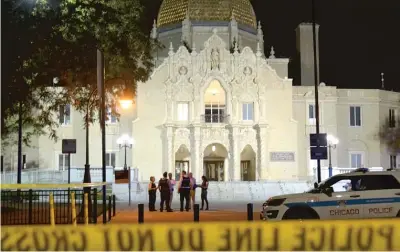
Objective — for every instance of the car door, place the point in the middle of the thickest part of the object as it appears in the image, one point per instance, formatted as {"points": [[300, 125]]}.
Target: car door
{"points": [[344, 203], [382, 196]]}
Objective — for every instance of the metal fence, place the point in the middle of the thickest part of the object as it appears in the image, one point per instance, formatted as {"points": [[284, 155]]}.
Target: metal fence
{"points": [[24, 207]]}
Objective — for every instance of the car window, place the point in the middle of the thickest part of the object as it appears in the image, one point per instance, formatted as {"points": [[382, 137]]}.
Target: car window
{"points": [[379, 182], [344, 184]]}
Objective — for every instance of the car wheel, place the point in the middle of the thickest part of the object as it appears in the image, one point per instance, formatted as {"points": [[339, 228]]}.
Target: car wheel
{"points": [[300, 214]]}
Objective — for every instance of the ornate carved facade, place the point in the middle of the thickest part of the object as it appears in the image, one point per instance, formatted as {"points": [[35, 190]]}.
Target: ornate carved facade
{"points": [[245, 78]]}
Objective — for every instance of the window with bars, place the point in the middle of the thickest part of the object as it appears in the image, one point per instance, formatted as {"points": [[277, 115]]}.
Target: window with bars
{"points": [[356, 160], [355, 116], [63, 162], [392, 118], [65, 114], [111, 117], [110, 159], [393, 161]]}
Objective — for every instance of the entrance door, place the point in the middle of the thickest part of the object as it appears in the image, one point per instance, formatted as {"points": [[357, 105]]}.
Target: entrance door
{"points": [[179, 167], [214, 170], [245, 169]]}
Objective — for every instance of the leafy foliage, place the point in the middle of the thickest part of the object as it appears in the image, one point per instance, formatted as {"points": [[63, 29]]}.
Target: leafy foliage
{"points": [[23, 21], [390, 135], [61, 39]]}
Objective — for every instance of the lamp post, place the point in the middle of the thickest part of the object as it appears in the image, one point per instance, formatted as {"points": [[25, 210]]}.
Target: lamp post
{"points": [[332, 142], [125, 142]]}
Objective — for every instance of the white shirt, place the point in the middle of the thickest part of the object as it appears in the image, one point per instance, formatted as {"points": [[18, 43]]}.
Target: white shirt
{"points": [[172, 184]]}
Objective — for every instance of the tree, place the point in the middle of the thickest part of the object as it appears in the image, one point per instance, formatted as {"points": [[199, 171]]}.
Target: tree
{"points": [[24, 88], [389, 134], [76, 30], [112, 27]]}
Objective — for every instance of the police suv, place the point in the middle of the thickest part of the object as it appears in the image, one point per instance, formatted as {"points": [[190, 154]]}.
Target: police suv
{"points": [[358, 194]]}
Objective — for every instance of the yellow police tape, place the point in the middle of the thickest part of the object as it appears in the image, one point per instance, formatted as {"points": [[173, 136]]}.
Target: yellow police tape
{"points": [[360, 235], [50, 186]]}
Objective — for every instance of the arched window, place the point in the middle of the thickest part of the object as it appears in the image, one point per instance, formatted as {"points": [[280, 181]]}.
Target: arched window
{"points": [[214, 103]]}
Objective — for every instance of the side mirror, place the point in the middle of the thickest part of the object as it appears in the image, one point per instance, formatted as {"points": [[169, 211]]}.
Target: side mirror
{"points": [[328, 191], [315, 185]]}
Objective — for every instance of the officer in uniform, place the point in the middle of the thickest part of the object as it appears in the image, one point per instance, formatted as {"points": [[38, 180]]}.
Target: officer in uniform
{"points": [[165, 191], [184, 190]]}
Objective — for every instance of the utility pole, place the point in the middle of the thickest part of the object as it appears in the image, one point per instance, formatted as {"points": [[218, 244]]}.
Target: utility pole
{"points": [[316, 85], [100, 86]]}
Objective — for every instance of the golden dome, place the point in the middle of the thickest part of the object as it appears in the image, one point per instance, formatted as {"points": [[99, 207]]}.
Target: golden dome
{"points": [[174, 11]]}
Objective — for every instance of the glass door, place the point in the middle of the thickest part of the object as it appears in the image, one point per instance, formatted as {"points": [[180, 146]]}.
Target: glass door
{"points": [[214, 170], [244, 170], [179, 167]]}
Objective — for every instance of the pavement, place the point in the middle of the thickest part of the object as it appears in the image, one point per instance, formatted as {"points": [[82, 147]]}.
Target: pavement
{"points": [[218, 211]]}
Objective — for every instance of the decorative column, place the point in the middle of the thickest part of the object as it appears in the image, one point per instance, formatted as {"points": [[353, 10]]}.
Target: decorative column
{"points": [[263, 153], [197, 154], [236, 154], [170, 150]]}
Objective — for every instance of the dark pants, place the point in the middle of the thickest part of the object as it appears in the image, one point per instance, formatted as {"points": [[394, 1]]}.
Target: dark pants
{"points": [[204, 198], [185, 195], [152, 201], [165, 197]]}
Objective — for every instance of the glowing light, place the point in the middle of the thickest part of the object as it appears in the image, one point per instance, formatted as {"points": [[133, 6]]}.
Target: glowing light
{"points": [[213, 148], [332, 140], [125, 140], [125, 104]]}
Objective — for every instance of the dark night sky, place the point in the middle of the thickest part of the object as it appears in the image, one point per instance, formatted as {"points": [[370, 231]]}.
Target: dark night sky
{"points": [[359, 39]]}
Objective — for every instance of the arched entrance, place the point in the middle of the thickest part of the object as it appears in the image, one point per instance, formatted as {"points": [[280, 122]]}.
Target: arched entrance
{"points": [[182, 161], [214, 103], [215, 161], [248, 164]]}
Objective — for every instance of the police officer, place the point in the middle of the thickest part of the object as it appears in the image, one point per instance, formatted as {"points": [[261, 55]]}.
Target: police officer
{"points": [[184, 190], [165, 191]]}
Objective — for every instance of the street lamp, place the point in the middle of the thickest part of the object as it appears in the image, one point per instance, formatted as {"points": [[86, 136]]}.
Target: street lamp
{"points": [[332, 142], [125, 142]]}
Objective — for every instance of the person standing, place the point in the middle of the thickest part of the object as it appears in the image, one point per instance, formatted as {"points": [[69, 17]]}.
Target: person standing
{"points": [[192, 190], [165, 191], [204, 188], [172, 183], [184, 190], [152, 188]]}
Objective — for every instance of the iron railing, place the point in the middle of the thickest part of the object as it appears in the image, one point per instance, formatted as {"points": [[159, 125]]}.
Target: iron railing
{"points": [[215, 118], [25, 207]]}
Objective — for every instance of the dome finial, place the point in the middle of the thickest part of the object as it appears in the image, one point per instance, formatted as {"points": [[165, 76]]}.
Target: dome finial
{"points": [[383, 80], [272, 53], [154, 30]]}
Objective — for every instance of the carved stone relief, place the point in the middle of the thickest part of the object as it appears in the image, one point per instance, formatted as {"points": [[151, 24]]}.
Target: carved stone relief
{"points": [[215, 59]]}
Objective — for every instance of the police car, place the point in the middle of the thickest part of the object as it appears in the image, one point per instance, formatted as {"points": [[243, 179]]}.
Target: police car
{"points": [[358, 194]]}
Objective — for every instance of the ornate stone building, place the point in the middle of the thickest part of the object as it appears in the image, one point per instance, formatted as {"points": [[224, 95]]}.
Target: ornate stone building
{"points": [[216, 105]]}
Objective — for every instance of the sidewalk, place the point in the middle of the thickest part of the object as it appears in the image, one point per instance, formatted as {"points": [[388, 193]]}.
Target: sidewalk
{"points": [[232, 211]]}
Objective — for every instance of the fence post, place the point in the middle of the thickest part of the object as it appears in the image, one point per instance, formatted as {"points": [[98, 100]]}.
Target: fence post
{"points": [[30, 207], [109, 208], [114, 204], [196, 213], [250, 212], [95, 205], [73, 208], [141, 213], [86, 208], [51, 201]]}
